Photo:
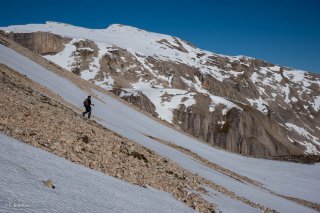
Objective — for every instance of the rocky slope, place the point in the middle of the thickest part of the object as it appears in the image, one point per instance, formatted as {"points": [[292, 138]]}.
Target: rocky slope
{"points": [[234, 183], [32, 116], [238, 103]]}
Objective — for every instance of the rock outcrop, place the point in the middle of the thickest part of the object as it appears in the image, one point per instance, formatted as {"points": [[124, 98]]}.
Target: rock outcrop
{"points": [[139, 100], [42, 43], [245, 132]]}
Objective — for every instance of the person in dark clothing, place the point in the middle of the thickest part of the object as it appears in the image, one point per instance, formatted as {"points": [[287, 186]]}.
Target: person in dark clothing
{"points": [[87, 104]]}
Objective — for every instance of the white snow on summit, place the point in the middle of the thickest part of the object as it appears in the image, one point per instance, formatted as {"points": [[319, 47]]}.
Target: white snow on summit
{"points": [[134, 40]]}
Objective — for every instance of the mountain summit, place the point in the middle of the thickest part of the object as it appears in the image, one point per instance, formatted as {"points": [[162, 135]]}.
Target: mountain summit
{"points": [[238, 103]]}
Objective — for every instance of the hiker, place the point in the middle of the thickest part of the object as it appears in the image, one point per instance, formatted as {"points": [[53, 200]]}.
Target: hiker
{"points": [[87, 104]]}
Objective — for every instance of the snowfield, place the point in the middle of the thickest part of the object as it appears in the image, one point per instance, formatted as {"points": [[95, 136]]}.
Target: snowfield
{"points": [[290, 179], [77, 188]]}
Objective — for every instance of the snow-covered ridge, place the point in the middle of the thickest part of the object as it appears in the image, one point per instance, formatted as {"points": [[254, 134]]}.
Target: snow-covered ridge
{"points": [[116, 34], [133, 40]]}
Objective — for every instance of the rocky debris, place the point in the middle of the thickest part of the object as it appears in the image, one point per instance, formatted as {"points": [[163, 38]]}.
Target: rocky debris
{"points": [[49, 184], [306, 203], [307, 159], [37, 119]]}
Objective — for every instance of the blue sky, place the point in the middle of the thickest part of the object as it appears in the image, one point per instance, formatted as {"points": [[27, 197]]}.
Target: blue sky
{"points": [[283, 32]]}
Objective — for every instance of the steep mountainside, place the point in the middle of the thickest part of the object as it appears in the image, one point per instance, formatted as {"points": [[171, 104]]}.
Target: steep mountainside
{"points": [[40, 107], [31, 115], [239, 103]]}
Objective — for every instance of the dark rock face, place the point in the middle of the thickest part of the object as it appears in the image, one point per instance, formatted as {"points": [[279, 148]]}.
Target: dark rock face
{"points": [[40, 42], [244, 132]]}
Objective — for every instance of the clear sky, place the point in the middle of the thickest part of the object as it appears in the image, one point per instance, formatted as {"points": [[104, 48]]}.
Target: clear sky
{"points": [[285, 32]]}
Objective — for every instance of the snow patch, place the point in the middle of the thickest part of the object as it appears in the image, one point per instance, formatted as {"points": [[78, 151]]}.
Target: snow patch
{"points": [[294, 99], [260, 104], [165, 100], [310, 148], [64, 58], [316, 103], [254, 77], [106, 83], [217, 100]]}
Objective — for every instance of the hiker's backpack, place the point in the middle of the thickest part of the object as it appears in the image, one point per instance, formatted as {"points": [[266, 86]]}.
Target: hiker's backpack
{"points": [[86, 103]]}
